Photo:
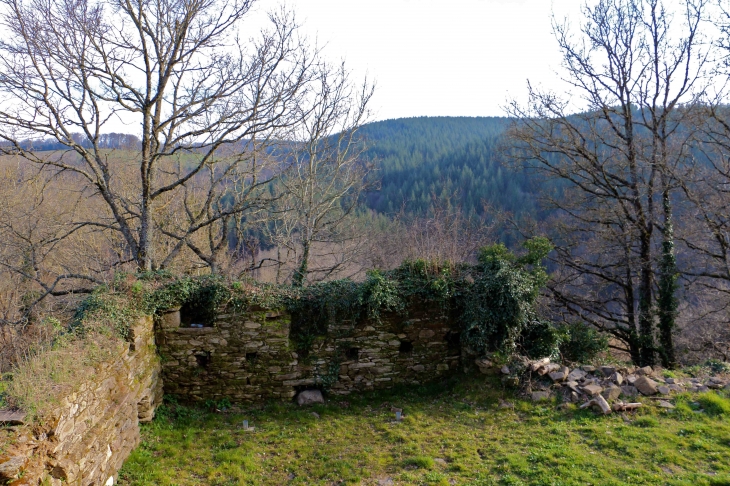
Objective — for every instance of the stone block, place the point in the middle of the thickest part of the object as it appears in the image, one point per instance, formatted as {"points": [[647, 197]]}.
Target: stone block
{"points": [[592, 390], [646, 385]]}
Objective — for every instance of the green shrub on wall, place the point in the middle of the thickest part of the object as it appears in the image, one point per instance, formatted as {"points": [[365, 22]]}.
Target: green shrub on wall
{"points": [[499, 309], [493, 301]]}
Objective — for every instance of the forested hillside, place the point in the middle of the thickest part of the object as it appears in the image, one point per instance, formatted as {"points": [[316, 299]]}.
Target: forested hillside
{"points": [[451, 159]]}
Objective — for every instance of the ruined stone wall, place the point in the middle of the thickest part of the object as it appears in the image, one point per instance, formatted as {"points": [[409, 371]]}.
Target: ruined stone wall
{"points": [[87, 438], [250, 357]]}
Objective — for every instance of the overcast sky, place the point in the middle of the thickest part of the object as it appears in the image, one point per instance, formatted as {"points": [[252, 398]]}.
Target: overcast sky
{"points": [[439, 58]]}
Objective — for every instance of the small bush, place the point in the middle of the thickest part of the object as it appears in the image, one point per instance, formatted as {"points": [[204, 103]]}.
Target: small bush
{"points": [[541, 339], [717, 366], [714, 404], [581, 343]]}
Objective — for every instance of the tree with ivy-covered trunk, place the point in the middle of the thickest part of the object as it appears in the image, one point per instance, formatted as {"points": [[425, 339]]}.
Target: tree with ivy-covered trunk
{"points": [[618, 143]]}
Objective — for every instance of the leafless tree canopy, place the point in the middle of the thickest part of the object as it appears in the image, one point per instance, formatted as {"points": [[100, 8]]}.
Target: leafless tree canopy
{"points": [[181, 73], [635, 69]]}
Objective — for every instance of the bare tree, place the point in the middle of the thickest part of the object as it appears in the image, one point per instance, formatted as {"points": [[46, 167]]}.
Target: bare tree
{"points": [[325, 176], [617, 151], [180, 72]]}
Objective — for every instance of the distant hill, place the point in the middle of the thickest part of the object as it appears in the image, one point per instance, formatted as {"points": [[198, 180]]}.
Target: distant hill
{"points": [[450, 158]]}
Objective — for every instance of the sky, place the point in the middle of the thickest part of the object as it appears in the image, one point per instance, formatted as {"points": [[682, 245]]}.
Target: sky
{"points": [[439, 58]]}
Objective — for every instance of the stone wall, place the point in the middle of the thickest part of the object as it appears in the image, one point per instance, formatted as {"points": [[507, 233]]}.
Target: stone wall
{"points": [[249, 356], [94, 429]]}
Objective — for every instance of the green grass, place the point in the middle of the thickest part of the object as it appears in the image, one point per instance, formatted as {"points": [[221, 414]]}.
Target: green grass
{"points": [[451, 434]]}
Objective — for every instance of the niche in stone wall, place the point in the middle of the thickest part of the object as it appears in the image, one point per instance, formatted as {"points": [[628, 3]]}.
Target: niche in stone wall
{"points": [[453, 340], [203, 359], [405, 347], [352, 354], [192, 314]]}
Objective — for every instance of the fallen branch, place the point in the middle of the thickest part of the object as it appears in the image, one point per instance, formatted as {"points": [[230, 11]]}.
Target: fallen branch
{"points": [[625, 407], [600, 402]]}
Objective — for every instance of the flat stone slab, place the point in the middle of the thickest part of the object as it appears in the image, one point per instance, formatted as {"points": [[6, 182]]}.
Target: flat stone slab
{"points": [[12, 418]]}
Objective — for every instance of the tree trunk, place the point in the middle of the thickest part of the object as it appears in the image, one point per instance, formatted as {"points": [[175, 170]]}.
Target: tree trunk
{"points": [[301, 273], [667, 301], [646, 321]]}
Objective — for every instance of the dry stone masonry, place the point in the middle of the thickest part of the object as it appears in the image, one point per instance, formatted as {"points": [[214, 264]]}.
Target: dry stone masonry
{"points": [[87, 438], [250, 357]]}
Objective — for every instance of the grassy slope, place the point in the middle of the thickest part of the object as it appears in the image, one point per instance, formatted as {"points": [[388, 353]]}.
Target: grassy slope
{"points": [[451, 435]]}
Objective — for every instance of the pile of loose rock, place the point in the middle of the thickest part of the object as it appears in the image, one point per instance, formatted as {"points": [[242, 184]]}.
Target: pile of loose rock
{"points": [[609, 388]]}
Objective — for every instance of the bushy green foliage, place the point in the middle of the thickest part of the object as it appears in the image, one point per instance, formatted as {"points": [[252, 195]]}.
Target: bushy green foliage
{"points": [[315, 307], [495, 299], [581, 343], [714, 404], [540, 339], [500, 306]]}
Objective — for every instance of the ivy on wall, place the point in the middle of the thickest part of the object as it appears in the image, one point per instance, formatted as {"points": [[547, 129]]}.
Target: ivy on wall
{"points": [[493, 303]]}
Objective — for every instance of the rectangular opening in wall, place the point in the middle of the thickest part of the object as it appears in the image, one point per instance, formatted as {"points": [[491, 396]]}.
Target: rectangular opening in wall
{"points": [[196, 316], [203, 359], [352, 354], [252, 357], [453, 340], [405, 347]]}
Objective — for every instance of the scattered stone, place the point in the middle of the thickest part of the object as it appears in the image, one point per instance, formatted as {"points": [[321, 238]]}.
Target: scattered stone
{"points": [[611, 393], [629, 391], [539, 396], [484, 365], [503, 404], [631, 379], [576, 375], [670, 381], [608, 370], [663, 390], [617, 378], [592, 390], [548, 368], [539, 364], [665, 404], [588, 368], [11, 468], [315, 415], [676, 388], [645, 385], [309, 397], [559, 375], [12, 418], [505, 370], [702, 389], [600, 402], [645, 371]]}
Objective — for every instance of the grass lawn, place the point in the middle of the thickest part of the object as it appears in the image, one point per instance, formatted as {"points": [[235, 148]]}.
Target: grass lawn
{"points": [[452, 433]]}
